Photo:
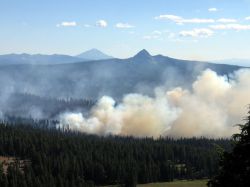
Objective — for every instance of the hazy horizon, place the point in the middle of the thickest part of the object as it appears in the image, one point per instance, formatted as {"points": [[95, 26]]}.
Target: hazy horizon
{"points": [[231, 61]]}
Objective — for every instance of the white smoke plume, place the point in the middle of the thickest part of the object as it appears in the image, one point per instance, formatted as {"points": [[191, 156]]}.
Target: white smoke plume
{"points": [[211, 109]]}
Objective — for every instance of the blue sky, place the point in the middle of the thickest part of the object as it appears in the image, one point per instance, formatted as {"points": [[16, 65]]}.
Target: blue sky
{"points": [[187, 29]]}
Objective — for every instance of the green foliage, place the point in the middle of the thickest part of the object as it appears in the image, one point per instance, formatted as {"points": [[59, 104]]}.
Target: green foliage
{"points": [[235, 165], [72, 159]]}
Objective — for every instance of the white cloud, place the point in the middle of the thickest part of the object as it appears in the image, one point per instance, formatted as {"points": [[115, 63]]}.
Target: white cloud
{"points": [[101, 23], [247, 18], [87, 25], [171, 35], [203, 32], [155, 32], [67, 24], [212, 9], [226, 20], [237, 27], [170, 17], [180, 20], [123, 26], [198, 20]]}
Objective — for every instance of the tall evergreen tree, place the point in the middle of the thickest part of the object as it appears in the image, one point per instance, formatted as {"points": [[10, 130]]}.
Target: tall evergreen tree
{"points": [[235, 166]]}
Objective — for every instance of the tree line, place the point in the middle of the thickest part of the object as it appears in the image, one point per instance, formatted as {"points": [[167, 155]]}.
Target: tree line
{"points": [[68, 159]]}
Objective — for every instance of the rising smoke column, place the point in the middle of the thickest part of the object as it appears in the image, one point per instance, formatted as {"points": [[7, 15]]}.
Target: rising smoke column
{"points": [[210, 108], [136, 115]]}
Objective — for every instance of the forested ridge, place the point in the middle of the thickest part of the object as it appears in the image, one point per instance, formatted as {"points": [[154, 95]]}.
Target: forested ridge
{"points": [[34, 106], [65, 158]]}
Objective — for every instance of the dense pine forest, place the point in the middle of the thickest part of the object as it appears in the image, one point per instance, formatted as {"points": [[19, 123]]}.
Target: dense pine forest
{"points": [[44, 156]]}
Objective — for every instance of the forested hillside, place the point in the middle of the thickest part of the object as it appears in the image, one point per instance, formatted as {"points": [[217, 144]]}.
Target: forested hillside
{"points": [[37, 107], [63, 158]]}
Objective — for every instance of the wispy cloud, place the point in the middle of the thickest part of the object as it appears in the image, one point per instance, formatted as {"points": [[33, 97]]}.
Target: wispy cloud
{"points": [[202, 32], [67, 24], [237, 27], [171, 35], [247, 18], [169, 17], [124, 26], [181, 20], [87, 25], [156, 32], [101, 23], [226, 20], [212, 9]]}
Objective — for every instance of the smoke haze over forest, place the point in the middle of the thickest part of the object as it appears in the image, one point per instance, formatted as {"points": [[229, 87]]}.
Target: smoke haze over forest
{"points": [[143, 95], [210, 109]]}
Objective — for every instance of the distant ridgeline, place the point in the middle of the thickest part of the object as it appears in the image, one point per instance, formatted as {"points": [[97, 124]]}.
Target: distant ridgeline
{"points": [[85, 81], [71, 159], [112, 77]]}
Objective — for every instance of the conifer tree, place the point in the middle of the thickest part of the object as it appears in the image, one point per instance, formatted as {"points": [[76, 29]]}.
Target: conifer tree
{"points": [[235, 166]]}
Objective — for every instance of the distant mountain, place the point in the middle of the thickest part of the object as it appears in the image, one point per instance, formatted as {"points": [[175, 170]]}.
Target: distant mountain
{"points": [[37, 59], [93, 79], [94, 54], [142, 56], [40, 59], [234, 61], [114, 77]]}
